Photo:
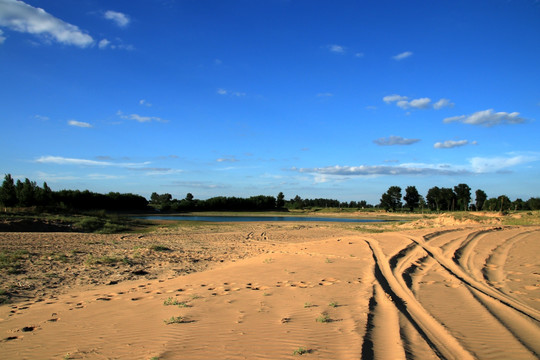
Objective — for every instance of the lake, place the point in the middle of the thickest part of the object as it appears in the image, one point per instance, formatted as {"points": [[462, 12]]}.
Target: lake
{"points": [[253, 218]]}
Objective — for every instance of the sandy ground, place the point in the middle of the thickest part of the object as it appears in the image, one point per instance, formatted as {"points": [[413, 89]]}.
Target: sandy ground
{"points": [[275, 291]]}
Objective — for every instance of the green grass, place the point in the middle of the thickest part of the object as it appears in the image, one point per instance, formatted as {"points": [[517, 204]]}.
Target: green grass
{"points": [[11, 261]]}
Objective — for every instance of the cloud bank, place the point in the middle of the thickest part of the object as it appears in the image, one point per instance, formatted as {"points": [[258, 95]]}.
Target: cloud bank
{"points": [[19, 16]]}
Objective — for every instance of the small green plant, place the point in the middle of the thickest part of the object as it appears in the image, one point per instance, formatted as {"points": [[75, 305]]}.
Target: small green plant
{"points": [[170, 301], [328, 261], [301, 351], [333, 304], [154, 358], [175, 320], [268, 260], [308, 305], [324, 318]]}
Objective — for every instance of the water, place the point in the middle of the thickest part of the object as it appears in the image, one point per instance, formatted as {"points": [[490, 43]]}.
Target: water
{"points": [[253, 218]]}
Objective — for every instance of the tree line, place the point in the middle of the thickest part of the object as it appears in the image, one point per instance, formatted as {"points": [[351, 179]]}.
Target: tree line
{"points": [[165, 202], [28, 194], [458, 198]]}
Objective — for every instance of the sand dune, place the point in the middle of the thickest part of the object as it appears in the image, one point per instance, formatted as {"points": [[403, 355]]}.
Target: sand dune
{"points": [[468, 292]]}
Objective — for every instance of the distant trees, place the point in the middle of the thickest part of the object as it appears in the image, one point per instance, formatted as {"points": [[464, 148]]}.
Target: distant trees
{"points": [[391, 199], [28, 194]]}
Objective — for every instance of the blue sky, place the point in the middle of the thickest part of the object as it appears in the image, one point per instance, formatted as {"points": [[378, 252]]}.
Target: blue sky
{"points": [[245, 97]]}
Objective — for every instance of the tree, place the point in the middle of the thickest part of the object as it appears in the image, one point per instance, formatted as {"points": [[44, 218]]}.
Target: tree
{"points": [[391, 199], [533, 203], [412, 197], [463, 196], [448, 198], [434, 197], [189, 197], [481, 198], [8, 193], [504, 203], [280, 202]]}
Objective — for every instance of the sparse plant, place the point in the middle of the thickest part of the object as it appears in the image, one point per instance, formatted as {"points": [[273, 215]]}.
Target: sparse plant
{"points": [[323, 318], [333, 304], [175, 320], [159, 248], [171, 301], [301, 351], [328, 261], [268, 260], [308, 305]]}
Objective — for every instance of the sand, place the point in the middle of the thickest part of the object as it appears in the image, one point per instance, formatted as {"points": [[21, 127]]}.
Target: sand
{"points": [[278, 291]]}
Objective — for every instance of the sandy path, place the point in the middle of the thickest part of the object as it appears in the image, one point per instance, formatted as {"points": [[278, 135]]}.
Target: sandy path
{"points": [[452, 293]]}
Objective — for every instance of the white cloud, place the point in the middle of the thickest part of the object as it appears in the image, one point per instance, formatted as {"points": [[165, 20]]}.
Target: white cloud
{"points": [[380, 170], [227, 159], [359, 55], [487, 118], [140, 118], [104, 43], [41, 117], [326, 94], [494, 164], [118, 18], [144, 102], [79, 124], [392, 98], [59, 160], [442, 103], [420, 103], [2, 38], [449, 144], [230, 93], [336, 49], [19, 16], [402, 56], [395, 140]]}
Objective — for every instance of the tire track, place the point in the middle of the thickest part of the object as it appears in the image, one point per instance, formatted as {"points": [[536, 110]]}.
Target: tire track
{"points": [[440, 340]]}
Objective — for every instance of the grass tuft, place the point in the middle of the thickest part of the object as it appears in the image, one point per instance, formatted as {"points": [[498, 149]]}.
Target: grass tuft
{"points": [[301, 351], [323, 318], [175, 320]]}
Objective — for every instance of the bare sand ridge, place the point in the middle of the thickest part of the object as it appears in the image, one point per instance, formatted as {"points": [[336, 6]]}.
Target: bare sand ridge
{"points": [[280, 291]]}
